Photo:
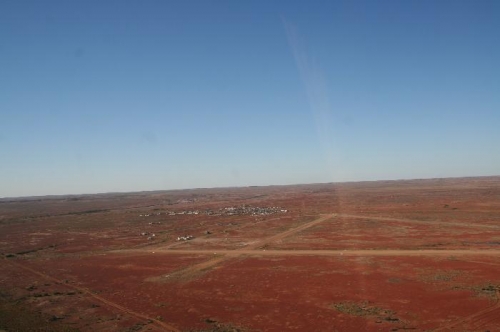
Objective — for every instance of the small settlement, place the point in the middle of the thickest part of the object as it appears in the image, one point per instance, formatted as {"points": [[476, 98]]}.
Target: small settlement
{"points": [[226, 211]]}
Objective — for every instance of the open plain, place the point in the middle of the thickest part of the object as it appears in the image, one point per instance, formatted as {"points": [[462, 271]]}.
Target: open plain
{"points": [[418, 255]]}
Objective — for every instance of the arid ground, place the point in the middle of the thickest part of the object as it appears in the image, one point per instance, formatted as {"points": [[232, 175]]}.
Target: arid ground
{"points": [[419, 255]]}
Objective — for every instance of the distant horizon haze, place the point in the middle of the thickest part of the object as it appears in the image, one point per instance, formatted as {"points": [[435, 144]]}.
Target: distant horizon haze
{"points": [[250, 186]]}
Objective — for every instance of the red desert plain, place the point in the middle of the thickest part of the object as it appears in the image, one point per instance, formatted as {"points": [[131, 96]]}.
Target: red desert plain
{"points": [[417, 255]]}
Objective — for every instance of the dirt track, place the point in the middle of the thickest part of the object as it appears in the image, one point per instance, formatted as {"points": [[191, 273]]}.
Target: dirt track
{"points": [[86, 291], [423, 222], [478, 320], [289, 232], [367, 253]]}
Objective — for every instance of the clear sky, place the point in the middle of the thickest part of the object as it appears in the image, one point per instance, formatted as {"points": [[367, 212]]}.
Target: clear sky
{"points": [[101, 96]]}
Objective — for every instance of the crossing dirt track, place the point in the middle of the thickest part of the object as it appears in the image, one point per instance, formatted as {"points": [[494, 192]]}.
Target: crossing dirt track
{"points": [[420, 255]]}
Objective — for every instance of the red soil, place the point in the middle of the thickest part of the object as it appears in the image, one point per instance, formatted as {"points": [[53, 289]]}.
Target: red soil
{"points": [[80, 262]]}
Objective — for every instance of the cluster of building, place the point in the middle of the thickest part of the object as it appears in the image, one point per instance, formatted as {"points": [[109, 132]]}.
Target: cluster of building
{"points": [[185, 238], [150, 214], [170, 213], [150, 236], [251, 210], [227, 211]]}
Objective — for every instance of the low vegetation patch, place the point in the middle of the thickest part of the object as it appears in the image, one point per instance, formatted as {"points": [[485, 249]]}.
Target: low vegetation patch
{"points": [[17, 316], [364, 309], [440, 275]]}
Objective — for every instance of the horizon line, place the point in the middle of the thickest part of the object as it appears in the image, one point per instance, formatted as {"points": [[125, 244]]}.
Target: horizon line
{"points": [[52, 196]]}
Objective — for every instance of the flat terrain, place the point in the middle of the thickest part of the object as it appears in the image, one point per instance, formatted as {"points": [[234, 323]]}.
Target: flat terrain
{"points": [[419, 255]]}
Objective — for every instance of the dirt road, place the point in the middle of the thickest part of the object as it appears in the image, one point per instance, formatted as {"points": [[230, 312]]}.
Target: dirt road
{"points": [[423, 222], [479, 320], [88, 292], [367, 252], [289, 232]]}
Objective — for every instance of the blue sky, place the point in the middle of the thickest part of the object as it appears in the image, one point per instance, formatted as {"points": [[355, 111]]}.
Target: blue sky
{"points": [[101, 96]]}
